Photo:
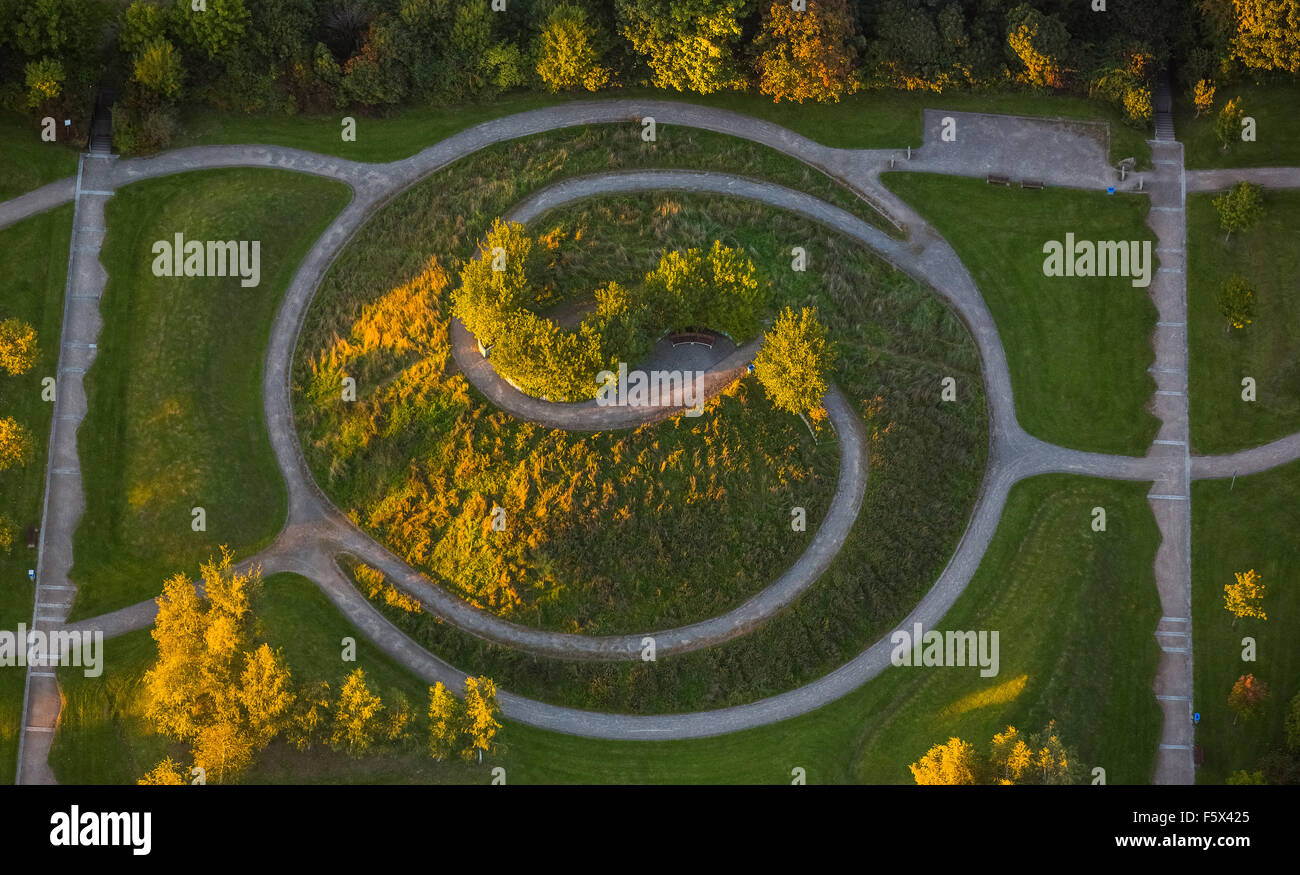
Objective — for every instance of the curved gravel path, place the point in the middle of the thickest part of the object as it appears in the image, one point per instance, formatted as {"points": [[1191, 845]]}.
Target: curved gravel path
{"points": [[315, 530]]}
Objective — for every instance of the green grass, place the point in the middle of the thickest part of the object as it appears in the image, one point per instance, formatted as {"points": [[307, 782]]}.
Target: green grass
{"points": [[1237, 527], [175, 394], [29, 161], [897, 341], [1277, 128], [33, 273], [868, 120], [1221, 357], [1078, 348], [1074, 609], [105, 738]]}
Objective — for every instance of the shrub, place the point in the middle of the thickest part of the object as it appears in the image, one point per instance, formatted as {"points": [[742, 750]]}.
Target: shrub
{"points": [[1236, 301]]}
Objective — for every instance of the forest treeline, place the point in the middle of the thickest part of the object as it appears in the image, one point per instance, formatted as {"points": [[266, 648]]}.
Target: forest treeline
{"points": [[366, 56]]}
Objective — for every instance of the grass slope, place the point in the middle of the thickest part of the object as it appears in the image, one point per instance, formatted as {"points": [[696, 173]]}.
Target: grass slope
{"points": [[33, 274], [867, 120], [29, 161], [1074, 608], [1277, 128], [175, 394], [1237, 527], [1078, 348], [1267, 256]]}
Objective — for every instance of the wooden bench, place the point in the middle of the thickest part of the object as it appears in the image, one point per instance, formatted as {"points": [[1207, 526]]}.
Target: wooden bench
{"points": [[1031, 183], [697, 337], [993, 179]]}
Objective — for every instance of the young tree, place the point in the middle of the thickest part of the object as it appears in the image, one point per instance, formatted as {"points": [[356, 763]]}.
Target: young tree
{"points": [[481, 711], [951, 763], [794, 361], [1240, 207], [1243, 778], [358, 716], [44, 79], [569, 50], [266, 693], [446, 722], [1203, 96], [1010, 755], [15, 443], [310, 719], [807, 54], [689, 45], [6, 534], [1247, 696], [1236, 300], [157, 68], [168, 773], [1292, 724], [1242, 599], [1227, 124], [17, 346]]}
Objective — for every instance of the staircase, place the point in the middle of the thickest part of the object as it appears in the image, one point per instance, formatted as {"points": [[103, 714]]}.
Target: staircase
{"points": [[1164, 110], [101, 124]]}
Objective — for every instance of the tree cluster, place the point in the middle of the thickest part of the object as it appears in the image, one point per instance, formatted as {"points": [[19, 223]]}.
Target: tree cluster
{"points": [[228, 696], [1012, 758]]}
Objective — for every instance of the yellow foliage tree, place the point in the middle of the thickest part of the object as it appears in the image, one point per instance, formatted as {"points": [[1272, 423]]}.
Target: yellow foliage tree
{"points": [[358, 719], [17, 346], [1203, 96], [1241, 599], [168, 772], [481, 710], [446, 721], [951, 763], [15, 443]]}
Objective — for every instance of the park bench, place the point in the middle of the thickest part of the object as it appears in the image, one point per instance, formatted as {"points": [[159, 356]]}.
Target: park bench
{"points": [[32, 534], [1031, 183], [993, 179]]}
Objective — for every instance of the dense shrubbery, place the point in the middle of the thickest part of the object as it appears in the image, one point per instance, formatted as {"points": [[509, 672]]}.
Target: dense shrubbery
{"points": [[718, 289], [287, 56]]}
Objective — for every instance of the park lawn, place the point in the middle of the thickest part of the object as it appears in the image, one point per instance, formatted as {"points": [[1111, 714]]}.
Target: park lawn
{"points": [[1236, 527], [33, 274], [1074, 609], [30, 162], [105, 738], [1078, 348], [175, 394], [1267, 256], [885, 119], [1277, 128]]}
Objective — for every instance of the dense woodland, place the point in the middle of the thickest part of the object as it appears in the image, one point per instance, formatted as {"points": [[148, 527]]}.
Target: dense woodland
{"points": [[368, 56]]}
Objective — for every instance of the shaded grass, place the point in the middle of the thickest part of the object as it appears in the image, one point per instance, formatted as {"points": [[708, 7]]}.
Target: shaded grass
{"points": [[867, 120], [1266, 350], [1237, 527], [1277, 128], [33, 274], [29, 162], [1078, 348], [1090, 666], [175, 393]]}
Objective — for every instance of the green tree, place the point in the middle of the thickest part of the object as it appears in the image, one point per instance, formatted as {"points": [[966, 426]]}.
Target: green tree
{"points": [[794, 361], [44, 80], [569, 50], [18, 350], [1240, 207], [157, 68], [1040, 41], [1267, 34], [807, 55], [358, 716], [1236, 301], [1292, 724], [489, 296], [216, 30], [689, 45], [1243, 778], [142, 23], [446, 722], [481, 712], [1227, 124]]}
